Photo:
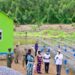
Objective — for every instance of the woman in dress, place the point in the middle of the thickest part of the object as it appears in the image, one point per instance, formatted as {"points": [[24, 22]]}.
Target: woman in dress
{"points": [[30, 63], [39, 62]]}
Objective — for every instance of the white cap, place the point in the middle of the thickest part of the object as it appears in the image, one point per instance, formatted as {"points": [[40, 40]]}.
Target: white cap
{"points": [[59, 50]]}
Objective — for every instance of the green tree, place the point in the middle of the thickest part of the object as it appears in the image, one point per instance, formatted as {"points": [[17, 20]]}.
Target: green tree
{"points": [[39, 11]]}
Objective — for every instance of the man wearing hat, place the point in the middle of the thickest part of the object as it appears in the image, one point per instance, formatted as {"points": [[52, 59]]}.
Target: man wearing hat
{"points": [[46, 59], [58, 61]]}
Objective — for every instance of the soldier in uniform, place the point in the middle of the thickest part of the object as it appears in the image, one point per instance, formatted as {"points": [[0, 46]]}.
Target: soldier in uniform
{"points": [[9, 58]]}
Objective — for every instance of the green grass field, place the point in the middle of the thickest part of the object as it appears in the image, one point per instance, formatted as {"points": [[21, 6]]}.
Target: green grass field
{"points": [[54, 34], [48, 33]]}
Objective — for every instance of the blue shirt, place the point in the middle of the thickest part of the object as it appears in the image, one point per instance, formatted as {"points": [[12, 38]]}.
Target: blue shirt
{"points": [[30, 58]]}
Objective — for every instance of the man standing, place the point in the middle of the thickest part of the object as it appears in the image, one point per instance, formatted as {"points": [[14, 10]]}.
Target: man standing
{"points": [[58, 61], [46, 59], [9, 58], [36, 48], [25, 58]]}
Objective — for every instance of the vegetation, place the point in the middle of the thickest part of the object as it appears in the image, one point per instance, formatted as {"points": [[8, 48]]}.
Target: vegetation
{"points": [[39, 11], [24, 41], [47, 33], [54, 35]]}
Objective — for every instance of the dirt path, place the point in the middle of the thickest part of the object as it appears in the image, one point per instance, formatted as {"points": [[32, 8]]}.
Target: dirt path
{"points": [[64, 27], [20, 68]]}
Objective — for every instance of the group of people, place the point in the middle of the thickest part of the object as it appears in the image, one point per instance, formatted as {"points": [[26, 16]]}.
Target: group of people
{"points": [[30, 62], [41, 58]]}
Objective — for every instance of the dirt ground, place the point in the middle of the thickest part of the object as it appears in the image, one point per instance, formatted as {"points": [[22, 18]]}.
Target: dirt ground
{"points": [[64, 27], [20, 68]]}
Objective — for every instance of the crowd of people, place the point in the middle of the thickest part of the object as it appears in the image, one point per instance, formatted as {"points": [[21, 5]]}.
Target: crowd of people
{"points": [[41, 58]]}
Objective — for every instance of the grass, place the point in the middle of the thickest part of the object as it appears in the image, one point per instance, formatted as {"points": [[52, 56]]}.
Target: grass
{"points": [[24, 41], [47, 33], [54, 34]]}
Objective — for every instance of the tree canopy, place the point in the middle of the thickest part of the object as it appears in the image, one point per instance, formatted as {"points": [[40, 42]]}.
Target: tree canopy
{"points": [[39, 11]]}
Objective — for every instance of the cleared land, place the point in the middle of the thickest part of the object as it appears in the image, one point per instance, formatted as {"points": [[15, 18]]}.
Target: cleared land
{"points": [[47, 32]]}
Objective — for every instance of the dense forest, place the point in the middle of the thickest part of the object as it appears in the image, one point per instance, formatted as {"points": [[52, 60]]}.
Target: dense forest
{"points": [[39, 11]]}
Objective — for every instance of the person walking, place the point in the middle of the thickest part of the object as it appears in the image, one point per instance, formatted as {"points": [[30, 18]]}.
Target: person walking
{"points": [[46, 59], [25, 57], [16, 52], [9, 58], [58, 61], [30, 63], [39, 62], [36, 48]]}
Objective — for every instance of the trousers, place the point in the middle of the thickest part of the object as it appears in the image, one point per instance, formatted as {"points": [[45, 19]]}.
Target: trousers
{"points": [[46, 67], [58, 69]]}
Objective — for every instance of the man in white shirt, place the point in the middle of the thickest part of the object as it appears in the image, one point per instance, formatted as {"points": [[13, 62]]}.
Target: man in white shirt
{"points": [[58, 61], [46, 59]]}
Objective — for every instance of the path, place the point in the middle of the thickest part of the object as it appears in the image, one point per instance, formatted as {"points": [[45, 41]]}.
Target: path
{"points": [[22, 69]]}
